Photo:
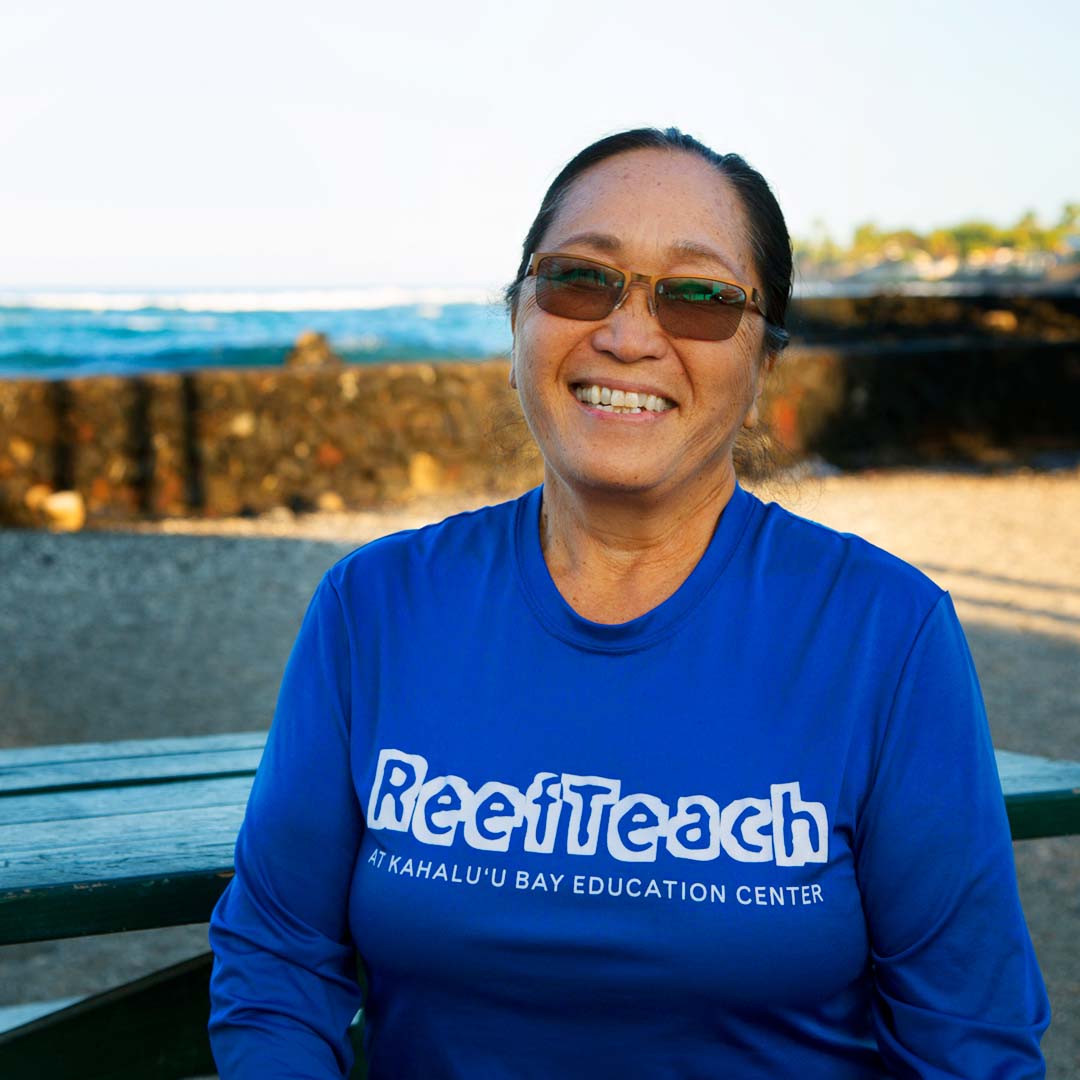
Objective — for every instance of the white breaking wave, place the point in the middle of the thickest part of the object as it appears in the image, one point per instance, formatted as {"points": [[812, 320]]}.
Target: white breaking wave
{"points": [[222, 300]]}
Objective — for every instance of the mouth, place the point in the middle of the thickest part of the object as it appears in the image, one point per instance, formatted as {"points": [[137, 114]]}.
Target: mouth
{"points": [[605, 399]]}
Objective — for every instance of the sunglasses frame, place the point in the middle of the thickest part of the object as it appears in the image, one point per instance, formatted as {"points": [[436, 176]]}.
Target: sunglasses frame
{"points": [[752, 299]]}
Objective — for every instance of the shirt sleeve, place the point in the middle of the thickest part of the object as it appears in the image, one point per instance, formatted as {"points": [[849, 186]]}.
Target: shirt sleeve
{"points": [[284, 986], [958, 989]]}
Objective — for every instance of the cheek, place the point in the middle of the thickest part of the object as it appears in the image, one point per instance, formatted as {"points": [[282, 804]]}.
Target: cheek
{"points": [[733, 375], [532, 373], [541, 344]]}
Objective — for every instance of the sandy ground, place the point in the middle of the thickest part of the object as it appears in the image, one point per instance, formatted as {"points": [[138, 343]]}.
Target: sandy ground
{"points": [[182, 627]]}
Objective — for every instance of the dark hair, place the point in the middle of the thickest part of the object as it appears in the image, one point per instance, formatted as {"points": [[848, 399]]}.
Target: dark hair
{"points": [[769, 240]]}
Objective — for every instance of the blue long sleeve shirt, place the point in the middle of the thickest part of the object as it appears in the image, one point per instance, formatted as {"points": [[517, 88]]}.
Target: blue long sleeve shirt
{"points": [[756, 832]]}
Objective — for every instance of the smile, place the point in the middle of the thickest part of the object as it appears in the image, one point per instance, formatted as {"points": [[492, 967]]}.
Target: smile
{"points": [[621, 401]]}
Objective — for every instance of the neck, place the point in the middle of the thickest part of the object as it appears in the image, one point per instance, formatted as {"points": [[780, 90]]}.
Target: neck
{"points": [[614, 557]]}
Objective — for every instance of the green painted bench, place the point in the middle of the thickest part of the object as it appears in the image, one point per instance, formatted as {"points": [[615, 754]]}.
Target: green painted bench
{"points": [[103, 837]]}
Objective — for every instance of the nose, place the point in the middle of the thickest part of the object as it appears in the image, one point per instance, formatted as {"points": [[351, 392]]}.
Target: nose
{"points": [[631, 332]]}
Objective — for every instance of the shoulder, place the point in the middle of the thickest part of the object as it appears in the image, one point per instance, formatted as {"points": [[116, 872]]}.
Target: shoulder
{"points": [[844, 566], [459, 544]]}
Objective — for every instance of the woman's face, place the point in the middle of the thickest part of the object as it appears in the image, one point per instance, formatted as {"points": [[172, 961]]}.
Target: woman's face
{"points": [[653, 212]]}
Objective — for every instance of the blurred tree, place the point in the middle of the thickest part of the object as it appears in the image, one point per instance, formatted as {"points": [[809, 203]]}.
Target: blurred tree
{"points": [[820, 253], [1028, 235], [866, 241], [1068, 230], [941, 243], [902, 244], [971, 236]]}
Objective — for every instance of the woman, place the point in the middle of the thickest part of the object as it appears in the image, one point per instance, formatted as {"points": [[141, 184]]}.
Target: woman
{"points": [[634, 776]]}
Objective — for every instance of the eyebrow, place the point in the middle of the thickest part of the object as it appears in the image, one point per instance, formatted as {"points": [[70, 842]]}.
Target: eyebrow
{"points": [[702, 251], [612, 245]]}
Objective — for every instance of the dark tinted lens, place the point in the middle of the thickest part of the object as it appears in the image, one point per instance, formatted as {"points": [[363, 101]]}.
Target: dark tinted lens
{"points": [[576, 288], [699, 308]]}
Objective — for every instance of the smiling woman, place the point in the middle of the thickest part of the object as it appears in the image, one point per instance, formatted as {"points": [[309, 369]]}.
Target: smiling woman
{"points": [[664, 474], [634, 775]]}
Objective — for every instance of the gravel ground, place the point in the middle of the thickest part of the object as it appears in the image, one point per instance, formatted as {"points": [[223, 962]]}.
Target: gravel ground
{"points": [[183, 627]]}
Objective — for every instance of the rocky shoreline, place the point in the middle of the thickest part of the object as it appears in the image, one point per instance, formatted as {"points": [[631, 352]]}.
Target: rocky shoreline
{"points": [[877, 380]]}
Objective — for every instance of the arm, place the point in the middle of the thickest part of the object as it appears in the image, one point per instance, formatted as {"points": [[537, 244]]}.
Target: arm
{"points": [[284, 988], [959, 992]]}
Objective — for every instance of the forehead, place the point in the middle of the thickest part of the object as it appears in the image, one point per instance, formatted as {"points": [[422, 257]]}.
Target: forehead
{"points": [[656, 203]]}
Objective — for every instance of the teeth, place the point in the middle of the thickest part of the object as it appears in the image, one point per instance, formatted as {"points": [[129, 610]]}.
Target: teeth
{"points": [[631, 401]]}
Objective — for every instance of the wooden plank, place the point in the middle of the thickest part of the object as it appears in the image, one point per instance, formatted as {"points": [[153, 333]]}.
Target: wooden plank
{"points": [[143, 769], [143, 871], [153, 1028], [1028, 774], [80, 910], [13, 1016], [181, 744], [54, 852], [129, 799], [1042, 795], [86, 859]]}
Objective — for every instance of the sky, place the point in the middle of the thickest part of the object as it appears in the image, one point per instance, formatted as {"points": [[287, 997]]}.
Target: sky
{"points": [[263, 144]]}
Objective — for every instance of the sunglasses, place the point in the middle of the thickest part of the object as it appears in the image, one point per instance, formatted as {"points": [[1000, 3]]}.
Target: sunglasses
{"points": [[701, 308]]}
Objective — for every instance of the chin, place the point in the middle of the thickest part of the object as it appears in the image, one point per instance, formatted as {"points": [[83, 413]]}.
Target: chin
{"points": [[610, 480]]}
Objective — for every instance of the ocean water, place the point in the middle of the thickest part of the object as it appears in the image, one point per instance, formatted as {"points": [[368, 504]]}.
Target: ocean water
{"points": [[64, 333]]}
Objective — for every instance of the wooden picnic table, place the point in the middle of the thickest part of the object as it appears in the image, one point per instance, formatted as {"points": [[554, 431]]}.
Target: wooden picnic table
{"points": [[100, 837], [103, 837]]}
